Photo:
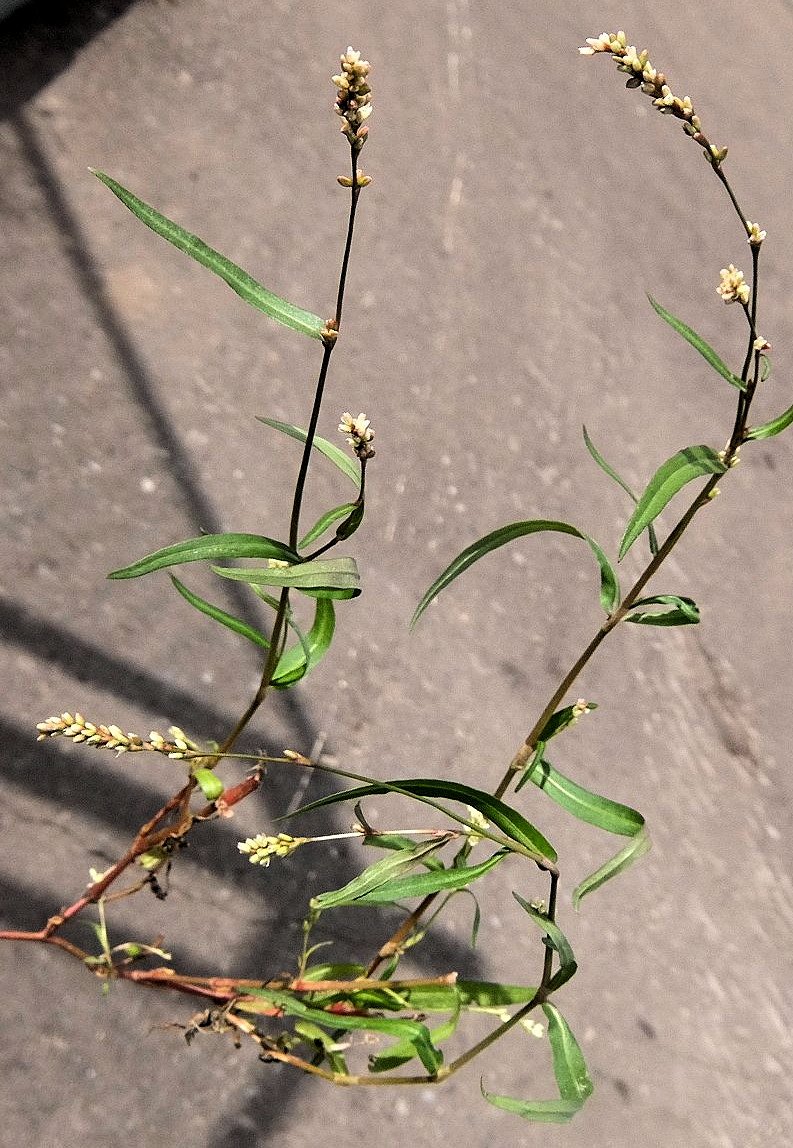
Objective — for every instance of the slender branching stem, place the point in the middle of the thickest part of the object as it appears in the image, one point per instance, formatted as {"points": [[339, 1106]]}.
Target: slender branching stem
{"points": [[279, 625]]}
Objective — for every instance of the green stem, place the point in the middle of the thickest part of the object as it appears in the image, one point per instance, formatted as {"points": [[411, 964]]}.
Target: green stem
{"points": [[279, 630]]}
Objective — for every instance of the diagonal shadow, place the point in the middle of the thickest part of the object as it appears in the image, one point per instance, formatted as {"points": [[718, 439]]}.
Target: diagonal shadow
{"points": [[89, 663], [48, 772], [39, 41], [199, 509]]}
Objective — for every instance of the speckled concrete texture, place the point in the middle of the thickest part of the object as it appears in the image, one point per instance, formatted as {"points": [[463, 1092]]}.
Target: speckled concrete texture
{"points": [[523, 204]]}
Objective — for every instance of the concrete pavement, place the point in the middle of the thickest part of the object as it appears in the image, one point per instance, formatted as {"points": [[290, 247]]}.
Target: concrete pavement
{"points": [[523, 203]]}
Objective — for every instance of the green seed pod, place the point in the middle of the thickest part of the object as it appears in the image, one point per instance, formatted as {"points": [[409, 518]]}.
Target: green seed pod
{"points": [[209, 783]]}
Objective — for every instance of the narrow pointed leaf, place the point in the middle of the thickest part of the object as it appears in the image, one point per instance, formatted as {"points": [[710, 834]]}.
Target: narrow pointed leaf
{"points": [[611, 472], [469, 994], [569, 1065], [585, 805], [396, 841], [688, 464], [684, 612], [536, 757], [337, 456], [609, 587], [422, 884], [557, 941], [313, 578], [536, 1111], [209, 547], [238, 280], [377, 875], [400, 1028], [602, 812], [511, 823], [334, 972], [635, 849], [774, 427], [490, 994], [699, 344], [221, 616], [324, 522], [570, 1070]]}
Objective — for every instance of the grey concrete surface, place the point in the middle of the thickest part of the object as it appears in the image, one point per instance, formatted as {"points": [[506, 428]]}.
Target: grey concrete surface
{"points": [[523, 203]]}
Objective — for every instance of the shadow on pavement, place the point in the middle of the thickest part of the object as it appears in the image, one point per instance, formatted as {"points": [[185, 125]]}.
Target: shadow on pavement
{"points": [[36, 43], [40, 39]]}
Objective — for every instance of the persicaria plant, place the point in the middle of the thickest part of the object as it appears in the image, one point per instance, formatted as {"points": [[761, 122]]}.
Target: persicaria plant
{"points": [[312, 1018]]}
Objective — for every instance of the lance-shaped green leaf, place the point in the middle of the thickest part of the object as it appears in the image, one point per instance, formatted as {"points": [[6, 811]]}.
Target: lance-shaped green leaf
{"points": [[602, 812], [325, 521], [611, 472], [535, 1111], [396, 841], [699, 344], [684, 466], [324, 577], [774, 427], [423, 884], [352, 469], [470, 994], [334, 972], [400, 1028], [209, 547], [635, 849], [236, 625], [570, 1070], [585, 805], [238, 280], [569, 1065], [511, 823], [555, 938], [609, 586], [375, 876], [297, 661], [684, 612]]}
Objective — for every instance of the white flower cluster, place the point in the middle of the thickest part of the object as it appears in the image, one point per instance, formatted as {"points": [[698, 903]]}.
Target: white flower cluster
{"points": [[79, 729], [354, 98], [359, 434], [755, 235], [642, 74], [262, 848], [732, 287]]}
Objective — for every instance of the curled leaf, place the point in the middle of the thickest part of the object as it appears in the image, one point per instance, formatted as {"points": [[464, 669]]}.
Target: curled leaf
{"points": [[684, 612], [209, 547], [609, 586]]}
